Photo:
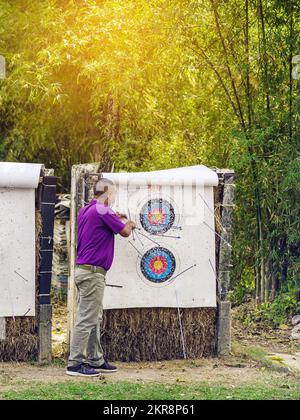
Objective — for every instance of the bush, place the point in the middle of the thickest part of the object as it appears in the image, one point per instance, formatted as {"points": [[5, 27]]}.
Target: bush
{"points": [[285, 305], [244, 290]]}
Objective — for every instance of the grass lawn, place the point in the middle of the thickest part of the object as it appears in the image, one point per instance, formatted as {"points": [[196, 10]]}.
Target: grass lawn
{"points": [[247, 374], [128, 391]]}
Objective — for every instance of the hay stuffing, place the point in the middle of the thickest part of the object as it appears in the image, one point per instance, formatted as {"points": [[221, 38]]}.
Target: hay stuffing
{"points": [[136, 335], [22, 340], [22, 335]]}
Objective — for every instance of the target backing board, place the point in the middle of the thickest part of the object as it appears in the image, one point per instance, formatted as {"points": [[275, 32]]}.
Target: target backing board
{"points": [[18, 238], [169, 260]]}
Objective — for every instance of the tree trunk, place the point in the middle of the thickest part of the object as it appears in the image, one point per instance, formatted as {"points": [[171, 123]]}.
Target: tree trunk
{"points": [[291, 81], [265, 63]]}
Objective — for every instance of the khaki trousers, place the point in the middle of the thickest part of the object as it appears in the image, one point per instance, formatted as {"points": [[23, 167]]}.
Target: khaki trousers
{"points": [[85, 344]]}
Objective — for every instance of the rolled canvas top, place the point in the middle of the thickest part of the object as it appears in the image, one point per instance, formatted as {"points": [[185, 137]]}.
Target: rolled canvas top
{"points": [[19, 175], [191, 175]]}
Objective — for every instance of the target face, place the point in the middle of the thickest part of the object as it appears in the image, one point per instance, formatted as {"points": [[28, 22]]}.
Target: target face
{"points": [[157, 216], [158, 265]]}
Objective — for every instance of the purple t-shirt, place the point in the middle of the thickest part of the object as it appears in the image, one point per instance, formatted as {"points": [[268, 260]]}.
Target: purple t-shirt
{"points": [[97, 227]]}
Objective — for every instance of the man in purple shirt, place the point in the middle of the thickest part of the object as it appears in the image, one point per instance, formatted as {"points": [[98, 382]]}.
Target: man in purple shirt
{"points": [[97, 227]]}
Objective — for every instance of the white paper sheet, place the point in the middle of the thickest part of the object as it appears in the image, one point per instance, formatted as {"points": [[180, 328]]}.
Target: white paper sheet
{"points": [[17, 252], [191, 241], [19, 175], [192, 175], [17, 238]]}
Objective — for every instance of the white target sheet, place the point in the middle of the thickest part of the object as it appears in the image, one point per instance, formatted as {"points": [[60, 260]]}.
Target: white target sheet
{"points": [[170, 258], [17, 252], [17, 238]]}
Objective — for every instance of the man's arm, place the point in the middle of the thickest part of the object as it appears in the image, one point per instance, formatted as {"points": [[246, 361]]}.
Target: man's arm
{"points": [[114, 222], [129, 227]]}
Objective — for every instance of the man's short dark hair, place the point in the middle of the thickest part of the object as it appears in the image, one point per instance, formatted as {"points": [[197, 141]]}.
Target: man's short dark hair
{"points": [[101, 187]]}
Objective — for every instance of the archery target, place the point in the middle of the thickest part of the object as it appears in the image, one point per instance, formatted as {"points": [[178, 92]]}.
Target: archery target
{"points": [[158, 266], [157, 216], [172, 249]]}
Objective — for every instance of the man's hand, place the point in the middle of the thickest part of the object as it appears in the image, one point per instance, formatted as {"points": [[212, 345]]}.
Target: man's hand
{"points": [[130, 226]]}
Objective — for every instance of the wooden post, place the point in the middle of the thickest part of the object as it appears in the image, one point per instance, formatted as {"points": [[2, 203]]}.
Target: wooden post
{"points": [[224, 266], [2, 328], [78, 193], [45, 334], [225, 244], [224, 328]]}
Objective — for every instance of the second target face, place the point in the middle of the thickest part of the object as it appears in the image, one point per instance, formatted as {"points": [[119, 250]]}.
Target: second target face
{"points": [[157, 216], [158, 265]]}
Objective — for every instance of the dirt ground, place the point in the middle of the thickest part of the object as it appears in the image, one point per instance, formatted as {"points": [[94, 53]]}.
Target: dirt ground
{"points": [[270, 339], [211, 371]]}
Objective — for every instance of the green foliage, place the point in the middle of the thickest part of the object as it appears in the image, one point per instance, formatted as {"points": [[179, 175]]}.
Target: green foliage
{"points": [[151, 85], [244, 289], [271, 314], [281, 309], [90, 80]]}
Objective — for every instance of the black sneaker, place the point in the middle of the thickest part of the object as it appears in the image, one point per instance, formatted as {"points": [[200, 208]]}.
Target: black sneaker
{"points": [[83, 371], [105, 368]]}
